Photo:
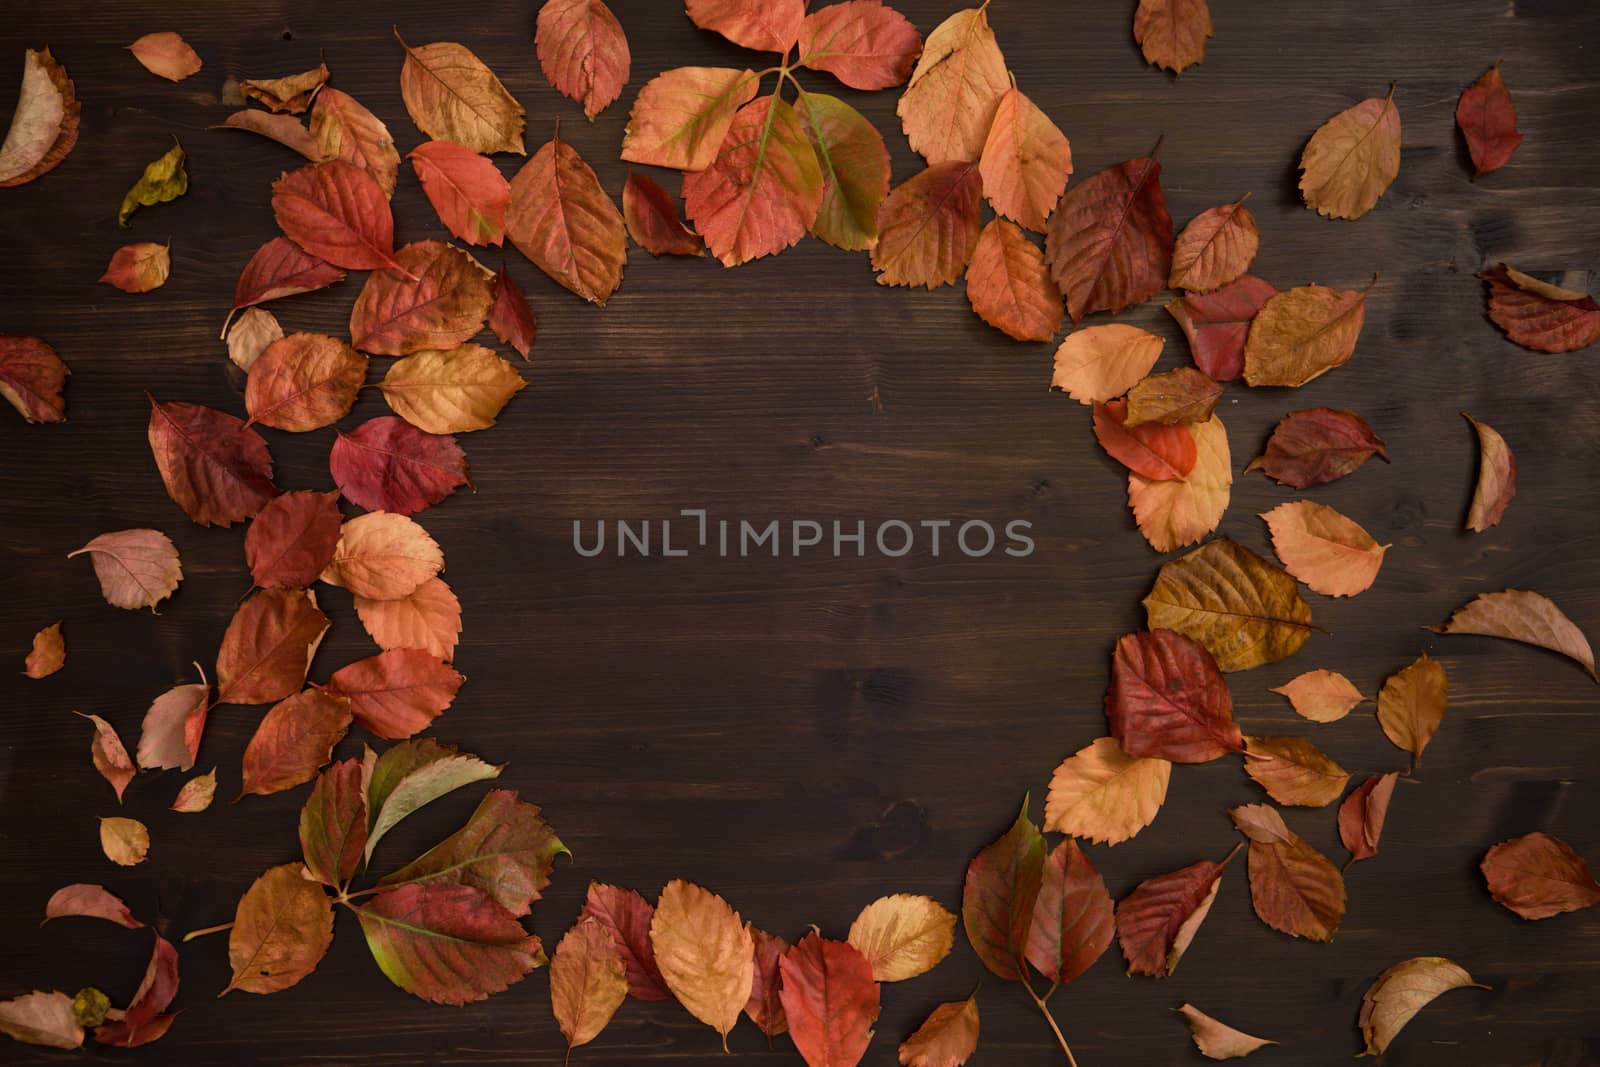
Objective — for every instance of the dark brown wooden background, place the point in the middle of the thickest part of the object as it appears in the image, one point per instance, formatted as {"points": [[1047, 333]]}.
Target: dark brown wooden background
{"points": [[804, 736]]}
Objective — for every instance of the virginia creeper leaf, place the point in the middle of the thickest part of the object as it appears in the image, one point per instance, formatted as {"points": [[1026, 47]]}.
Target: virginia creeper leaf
{"points": [[999, 896], [333, 824], [470, 195], [829, 999], [1243, 609], [855, 168], [411, 775], [449, 944], [386, 464], [1109, 244], [1352, 159], [452, 96], [1217, 324], [1327, 551], [705, 954], [1318, 445], [928, 226], [1009, 286], [583, 52], [949, 104], [902, 936], [1519, 615], [281, 931], [295, 739], [681, 116], [1101, 793], [1072, 918], [1293, 887], [268, 646], [562, 219]]}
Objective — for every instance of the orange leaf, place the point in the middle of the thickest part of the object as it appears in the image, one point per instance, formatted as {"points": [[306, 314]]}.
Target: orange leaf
{"points": [[281, 931], [452, 391], [1217, 324], [949, 104], [1293, 771], [125, 842], [1009, 286], [1302, 334], [291, 93], [337, 212], [304, 381], [1412, 703], [947, 1037], [829, 999], [1025, 163], [166, 55], [765, 1006], [583, 52], [510, 317], [1332, 554], [287, 130], [863, 43], [452, 96], [1293, 887], [139, 268], [1097, 363], [173, 725], [681, 116], [653, 219], [1243, 609], [563, 220], [928, 226], [1402, 991], [705, 954], [1172, 514], [397, 693], [1519, 615], [430, 619], [383, 556], [1537, 876], [466, 190], [1153, 451], [1321, 695], [294, 739], [1488, 121], [1352, 159], [587, 984], [346, 130], [48, 655], [1216, 248], [764, 25], [1103, 794], [268, 646], [1172, 33], [1217, 1041], [1541, 316], [435, 299], [109, 756]]}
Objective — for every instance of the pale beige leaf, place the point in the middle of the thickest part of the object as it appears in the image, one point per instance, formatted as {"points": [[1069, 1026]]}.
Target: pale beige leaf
{"points": [[1321, 695], [1100, 363], [1103, 794], [41, 1019], [1402, 991], [902, 935], [256, 329], [1218, 1041], [705, 954], [1520, 615], [125, 842], [950, 102], [1181, 511], [383, 556], [1324, 549]]}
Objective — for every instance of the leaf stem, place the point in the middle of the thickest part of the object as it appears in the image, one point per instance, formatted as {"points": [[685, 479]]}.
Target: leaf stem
{"points": [[1045, 1011], [192, 934]]}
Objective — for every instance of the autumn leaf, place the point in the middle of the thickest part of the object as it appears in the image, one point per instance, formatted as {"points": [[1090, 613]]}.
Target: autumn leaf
{"points": [[764, 25], [287, 130], [344, 129], [947, 1037], [1072, 923], [1352, 159], [109, 756], [452, 96], [1158, 921], [383, 556], [1293, 887], [949, 105], [1218, 1041], [144, 1021], [411, 775], [902, 936], [214, 466], [139, 268], [627, 916], [291, 93], [1098, 363], [44, 126], [1293, 771], [250, 336], [136, 568], [125, 842], [290, 542], [583, 52], [829, 999], [397, 693], [863, 43], [163, 180], [1009, 286], [1538, 875], [196, 794], [1301, 334], [854, 163], [430, 618], [1321, 695], [294, 739], [304, 381], [1168, 700], [1103, 794], [32, 377], [587, 984], [172, 728], [1218, 323], [268, 646], [1179, 396], [510, 317], [386, 464], [1153, 451], [1243, 609], [1172, 514], [506, 849], [1488, 121], [466, 190], [1109, 244], [1497, 478], [449, 944], [90, 902], [704, 953], [562, 220], [653, 220], [1362, 815], [337, 212], [1025, 163], [1216, 248], [1402, 991], [41, 1019], [765, 1006], [455, 391], [281, 268], [1327, 551], [681, 116], [1412, 703], [928, 226], [999, 895], [281, 931], [436, 298], [333, 824], [1519, 615], [48, 654], [1318, 445], [1538, 315], [1172, 33]]}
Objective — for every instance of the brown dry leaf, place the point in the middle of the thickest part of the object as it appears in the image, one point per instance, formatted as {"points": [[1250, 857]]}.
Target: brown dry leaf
{"points": [[429, 619], [1177, 397], [304, 381], [451, 391], [281, 931], [44, 126], [1520, 615], [1172, 33], [1158, 921], [1293, 887], [383, 556], [1025, 163], [256, 329], [1293, 771], [1411, 705], [173, 725], [1103, 794], [1402, 991], [903, 936], [125, 842], [1099, 363], [49, 653], [438, 302], [1497, 478], [1218, 1041], [1243, 609], [139, 268], [136, 568], [1009, 286], [344, 129], [197, 793], [949, 105], [587, 982], [166, 55], [109, 755], [1215, 248], [705, 954], [1180, 512], [1332, 554], [1362, 815], [287, 130], [654, 221], [267, 647], [48, 1019], [1352, 159], [452, 96], [947, 1037], [291, 93], [928, 226], [562, 219], [1321, 695], [1538, 875], [294, 740], [1110, 240], [1303, 333]]}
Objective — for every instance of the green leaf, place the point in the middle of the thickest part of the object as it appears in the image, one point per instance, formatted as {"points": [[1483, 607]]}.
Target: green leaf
{"points": [[163, 180], [412, 775], [855, 171], [997, 902]]}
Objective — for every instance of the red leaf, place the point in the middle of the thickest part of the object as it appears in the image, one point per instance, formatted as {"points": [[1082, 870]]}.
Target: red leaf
{"points": [[1488, 120], [337, 212], [510, 317], [387, 464], [1317, 445], [1217, 324], [1152, 450], [268, 646], [143, 1021], [561, 218], [1110, 239], [304, 381], [397, 693], [998, 898], [291, 540], [1538, 315], [627, 915], [139, 268], [829, 1000], [295, 738], [216, 468], [32, 377], [653, 220], [863, 43], [435, 300], [466, 190], [90, 902], [281, 268], [1168, 700], [766, 991], [1158, 920], [1293, 887], [446, 943], [1537, 876], [583, 52], [333, 823], [1072, 917], [1362, 813]]}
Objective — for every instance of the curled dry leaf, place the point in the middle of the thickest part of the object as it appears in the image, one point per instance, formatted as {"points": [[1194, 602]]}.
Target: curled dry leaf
{"points": [[163, 180], [1110, 240], [510, 317], [125, 842], [196, 794], [1097, 363], [1216, 248], [1172, 33], [1243, 609], [1329, 552], [449, 944], [386, 464], [267, 647], [1218, 323], [281, 268], [37, 1018], [1009, 286], [136, 568], [1538, 875], [109, 756], [1168, 700], [681, 116], [32, 377], [294, 739], [290, 542], [1520, 615], [397, 693], [627, 916], [583, 52], [1153, 451], [928, 226], [1179, 396], [1301, 334], [1539, 315], [1072, 923], [250, 336], [144, 1021], [948, 107], [653, 220], [291, 93], [1321, 695], [304, 381], [1025, 163], [855, 169], [1411, 705], [1293, 771], [452, 96], [1497, 478], [139, 268], [411, 775], [562, 219], [215, 467], [383, 556], [173, 725], [1352, 159], [1488, 121], [453, 391], [902, 936], [765, 1006], [430, 618], [1157, 922], [947, 1037], [90, 902], [863, 43], [1101, 793], [466, 190], [333, 824], [1293, 887], [1362, 815], [48, 654], [436, 298], [1218, 1041], [337, 212], [506, 849], [999, 896], [829, 1000], [704, 953], [587, 984], [346, 130], [1402, 991], [281, 931], [44, 126], [1318, 445], [285, 129], [1172, 514]]}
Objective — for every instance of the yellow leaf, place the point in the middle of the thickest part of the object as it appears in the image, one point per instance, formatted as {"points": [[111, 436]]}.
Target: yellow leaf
{"points": [[705, 954], [902, 936], [1181, 511], [125, 842], [451, 391], [1243, 609], [1100, 363], [163, 180], [1352, 159], [383, 556], [1103, 794]]}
